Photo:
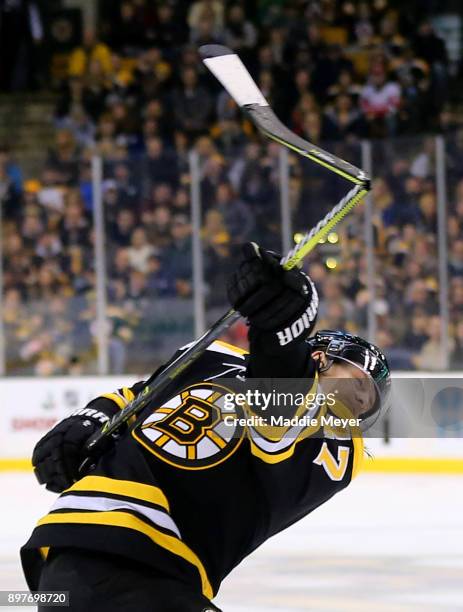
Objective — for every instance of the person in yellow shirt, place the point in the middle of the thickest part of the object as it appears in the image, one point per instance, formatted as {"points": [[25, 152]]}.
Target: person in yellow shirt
{"points": [[90, 50]]}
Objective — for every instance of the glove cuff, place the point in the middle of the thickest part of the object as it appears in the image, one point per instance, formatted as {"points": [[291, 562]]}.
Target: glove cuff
{"points": [[299, 328], [296, 330], [90, 413]]}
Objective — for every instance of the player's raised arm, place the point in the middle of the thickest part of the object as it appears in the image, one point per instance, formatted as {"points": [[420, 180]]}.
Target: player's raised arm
{"points": [[281, 308]]}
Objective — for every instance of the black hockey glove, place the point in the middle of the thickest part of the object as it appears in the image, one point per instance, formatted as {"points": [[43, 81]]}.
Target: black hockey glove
{"points": [[280, 305], [58, 455]]}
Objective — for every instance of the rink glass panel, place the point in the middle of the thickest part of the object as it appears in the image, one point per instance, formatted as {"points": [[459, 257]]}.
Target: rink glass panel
{"points": [[48, 274], [149, 308], [407, 290], [240, 202], [453, 144], [338, 264], [411, 304]]}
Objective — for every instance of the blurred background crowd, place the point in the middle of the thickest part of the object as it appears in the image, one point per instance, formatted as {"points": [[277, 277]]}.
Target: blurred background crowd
{"points": [[133, 91]]}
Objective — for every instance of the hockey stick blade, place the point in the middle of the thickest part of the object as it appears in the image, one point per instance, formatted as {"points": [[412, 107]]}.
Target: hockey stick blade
{"points": [[227, 67]]}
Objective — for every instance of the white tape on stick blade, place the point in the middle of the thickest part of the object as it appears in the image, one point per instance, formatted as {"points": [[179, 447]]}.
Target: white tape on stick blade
{"points": [[233, 75]]}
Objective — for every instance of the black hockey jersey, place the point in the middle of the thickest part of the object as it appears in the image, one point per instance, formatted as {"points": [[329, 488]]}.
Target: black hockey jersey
{"points": [[187, 494]]}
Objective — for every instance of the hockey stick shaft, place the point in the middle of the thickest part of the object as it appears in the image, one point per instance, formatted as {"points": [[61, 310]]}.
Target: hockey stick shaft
{"points": [[323, 227], [193, 352]]}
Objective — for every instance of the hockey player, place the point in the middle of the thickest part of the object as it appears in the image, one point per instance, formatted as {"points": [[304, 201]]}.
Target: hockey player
{"points": [[181, 499]]}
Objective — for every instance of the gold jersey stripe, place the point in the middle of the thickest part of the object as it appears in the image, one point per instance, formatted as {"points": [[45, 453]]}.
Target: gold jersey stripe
{"points": [[355, 433], [191, 451], [214, 397], [162, 440], [276, 457], [128, 521], [116, 398], [128, 394], [214, 436], [128, 488], [232, 347]]}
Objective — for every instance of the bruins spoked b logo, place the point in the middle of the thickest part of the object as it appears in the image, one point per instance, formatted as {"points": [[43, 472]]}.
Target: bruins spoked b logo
{"points": [[188, 430]]}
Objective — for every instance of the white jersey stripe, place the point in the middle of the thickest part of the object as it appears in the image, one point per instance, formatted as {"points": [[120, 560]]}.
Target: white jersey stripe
{"points": [[105, 504], [290, 436]]}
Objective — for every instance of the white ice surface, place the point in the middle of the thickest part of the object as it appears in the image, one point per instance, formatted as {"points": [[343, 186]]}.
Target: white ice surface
{"points": [[389, 543]]}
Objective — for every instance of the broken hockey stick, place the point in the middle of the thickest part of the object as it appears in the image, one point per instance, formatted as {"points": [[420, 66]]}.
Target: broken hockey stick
{"points": [[232, 73], [98, 442], [227, 67]]}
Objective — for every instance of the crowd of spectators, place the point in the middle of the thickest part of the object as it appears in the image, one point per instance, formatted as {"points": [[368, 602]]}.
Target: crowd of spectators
{"points": [[406, 297], [137, 95]]}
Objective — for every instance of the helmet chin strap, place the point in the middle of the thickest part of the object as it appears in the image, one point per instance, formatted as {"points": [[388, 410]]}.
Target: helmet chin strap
{"points": [[327, 366], [328, 362]]}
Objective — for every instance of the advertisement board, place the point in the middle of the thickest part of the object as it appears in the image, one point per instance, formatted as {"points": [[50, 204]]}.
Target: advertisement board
{"points": [[32, 406]]}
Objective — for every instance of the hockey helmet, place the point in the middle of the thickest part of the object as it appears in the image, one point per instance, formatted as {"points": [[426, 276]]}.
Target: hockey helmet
{"points": [[341, 346]]}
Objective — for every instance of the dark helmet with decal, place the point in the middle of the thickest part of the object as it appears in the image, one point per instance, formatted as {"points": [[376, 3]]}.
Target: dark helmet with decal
{"points": [[341, 346]]}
